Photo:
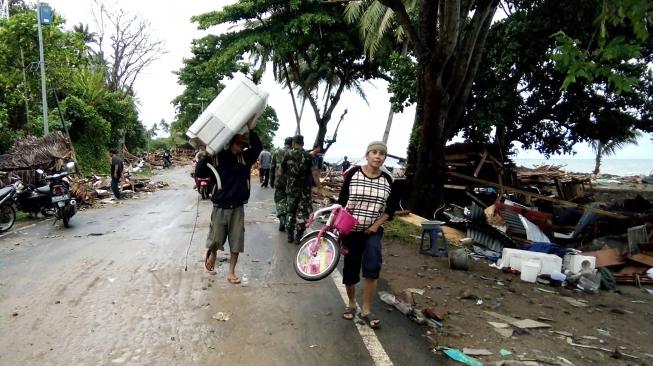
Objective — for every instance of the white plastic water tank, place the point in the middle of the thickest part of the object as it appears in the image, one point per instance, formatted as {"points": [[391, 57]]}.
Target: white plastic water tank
{"points": [[228, 114], [514, 258]]}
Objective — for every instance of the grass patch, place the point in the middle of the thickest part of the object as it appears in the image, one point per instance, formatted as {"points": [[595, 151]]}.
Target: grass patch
{"points": [[401, 231], [22, 216]]}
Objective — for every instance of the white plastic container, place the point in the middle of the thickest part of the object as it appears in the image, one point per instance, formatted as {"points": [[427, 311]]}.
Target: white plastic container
{"points": [[530, 271], [514, 258], [228, 114], [576, 263]]}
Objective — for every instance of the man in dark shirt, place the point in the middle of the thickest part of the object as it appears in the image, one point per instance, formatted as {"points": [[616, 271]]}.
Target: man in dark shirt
{"points": [[229, 197], [345, 164], [116, 172]]}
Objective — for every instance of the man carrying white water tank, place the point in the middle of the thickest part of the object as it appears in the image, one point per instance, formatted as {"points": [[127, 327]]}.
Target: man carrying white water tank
{"points": [[228, 217]]}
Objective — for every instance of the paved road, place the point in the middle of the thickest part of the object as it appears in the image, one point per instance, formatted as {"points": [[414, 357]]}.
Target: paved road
{"points": [[112, 290]]}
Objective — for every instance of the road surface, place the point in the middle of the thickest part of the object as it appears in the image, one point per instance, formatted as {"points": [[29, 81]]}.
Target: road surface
{"points": [[112, 290]]}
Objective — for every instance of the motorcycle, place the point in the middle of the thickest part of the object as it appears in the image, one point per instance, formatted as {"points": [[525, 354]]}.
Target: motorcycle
{"points": [[203, 187], [63, 204], [7, 210], [167, 160], [34, 199]]}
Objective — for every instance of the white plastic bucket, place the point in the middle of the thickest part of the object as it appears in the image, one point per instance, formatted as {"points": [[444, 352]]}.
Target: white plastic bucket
{"points": [[529, 271]]}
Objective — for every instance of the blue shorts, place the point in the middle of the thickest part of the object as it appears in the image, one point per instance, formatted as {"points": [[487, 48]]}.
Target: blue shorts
{"points": [[364, 253]]}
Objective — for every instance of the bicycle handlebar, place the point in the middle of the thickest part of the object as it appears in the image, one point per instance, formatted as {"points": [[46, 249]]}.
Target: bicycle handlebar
{"points": [[321, 211]]}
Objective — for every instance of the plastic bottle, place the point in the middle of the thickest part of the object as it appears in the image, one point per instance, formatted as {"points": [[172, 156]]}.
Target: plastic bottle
{"points": [[244, 282], [399, 304]]}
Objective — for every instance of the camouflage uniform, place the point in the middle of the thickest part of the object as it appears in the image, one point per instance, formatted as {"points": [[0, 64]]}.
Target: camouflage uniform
{"points": [[278, 182], [296, 167]]}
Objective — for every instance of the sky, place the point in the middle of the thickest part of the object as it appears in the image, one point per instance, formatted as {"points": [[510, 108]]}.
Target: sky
{"points": [[157, 85]]}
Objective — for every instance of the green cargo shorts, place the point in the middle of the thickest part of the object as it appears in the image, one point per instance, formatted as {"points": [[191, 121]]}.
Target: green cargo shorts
{"points": [[227, 224]]}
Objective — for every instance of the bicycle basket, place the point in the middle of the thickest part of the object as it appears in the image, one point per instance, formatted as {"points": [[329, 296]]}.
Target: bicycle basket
{"points": [[344, 222]]}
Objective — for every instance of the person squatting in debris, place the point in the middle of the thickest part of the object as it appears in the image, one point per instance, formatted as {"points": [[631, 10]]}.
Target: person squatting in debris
{"points": [[264, 159], [296, 167], [228, 217], [278, 182], [367, 194], [116, 172]]}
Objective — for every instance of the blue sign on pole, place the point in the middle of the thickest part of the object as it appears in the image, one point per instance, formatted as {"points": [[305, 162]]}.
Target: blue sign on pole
{"points": [[45, 13]]}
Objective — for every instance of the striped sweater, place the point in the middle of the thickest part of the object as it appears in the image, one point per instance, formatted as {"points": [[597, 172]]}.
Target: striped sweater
{"points": [[367, 198]]}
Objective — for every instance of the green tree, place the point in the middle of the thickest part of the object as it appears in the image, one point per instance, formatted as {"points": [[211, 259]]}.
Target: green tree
{"points": [[308, 43], [447, 40], [519, 91], [621, 33], [90, 134]]}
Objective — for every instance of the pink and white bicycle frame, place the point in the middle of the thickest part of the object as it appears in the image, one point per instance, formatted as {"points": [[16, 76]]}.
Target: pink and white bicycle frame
{"points": [[338, 220]]}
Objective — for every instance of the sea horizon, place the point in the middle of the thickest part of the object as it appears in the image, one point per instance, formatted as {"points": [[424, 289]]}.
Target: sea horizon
{"points": [[615, 166]]}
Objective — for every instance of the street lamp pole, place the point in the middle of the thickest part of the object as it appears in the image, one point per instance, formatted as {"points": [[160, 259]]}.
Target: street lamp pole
{"points": [[44, 100]]}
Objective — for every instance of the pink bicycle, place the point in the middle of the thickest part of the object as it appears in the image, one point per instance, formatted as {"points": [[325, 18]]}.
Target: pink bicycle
{"points": [[319, 250]]}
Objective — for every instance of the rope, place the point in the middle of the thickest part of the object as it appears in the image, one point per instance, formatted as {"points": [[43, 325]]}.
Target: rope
{"points": [[197, 214]]}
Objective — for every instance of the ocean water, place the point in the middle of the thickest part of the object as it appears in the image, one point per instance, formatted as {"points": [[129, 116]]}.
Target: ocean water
{"points": [[621, 167]]}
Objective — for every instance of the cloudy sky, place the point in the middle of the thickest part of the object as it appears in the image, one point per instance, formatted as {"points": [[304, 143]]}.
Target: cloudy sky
{"points": [[157, 86]]}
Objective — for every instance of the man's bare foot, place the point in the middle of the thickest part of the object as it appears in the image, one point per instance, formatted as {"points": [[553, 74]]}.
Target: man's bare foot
{"points": [[233, 280]]}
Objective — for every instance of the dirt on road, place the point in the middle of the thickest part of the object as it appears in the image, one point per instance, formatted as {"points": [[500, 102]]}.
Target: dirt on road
{"points": [[604, 328]]}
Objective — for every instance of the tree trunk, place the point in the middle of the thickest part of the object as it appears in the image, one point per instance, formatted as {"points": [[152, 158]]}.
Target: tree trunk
{"points": [[321, 133], [428, 181], [599, 153]]}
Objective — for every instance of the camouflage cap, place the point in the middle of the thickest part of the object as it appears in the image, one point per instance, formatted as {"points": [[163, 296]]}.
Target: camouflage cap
{"points": [[287, 141], [299, 139]]}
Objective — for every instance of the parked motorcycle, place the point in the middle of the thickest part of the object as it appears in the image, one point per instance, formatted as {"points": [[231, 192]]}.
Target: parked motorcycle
{"points": [[7, 211], [64, 205], [34, 199]]}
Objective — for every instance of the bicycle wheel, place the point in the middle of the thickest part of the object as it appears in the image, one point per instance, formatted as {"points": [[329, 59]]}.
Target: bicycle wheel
{"points": [[315, 268], [7, 217]]}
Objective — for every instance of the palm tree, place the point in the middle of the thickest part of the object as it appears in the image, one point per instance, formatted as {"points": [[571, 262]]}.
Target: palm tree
{"points": [[609, 147], [375, 22], [88, 37]]}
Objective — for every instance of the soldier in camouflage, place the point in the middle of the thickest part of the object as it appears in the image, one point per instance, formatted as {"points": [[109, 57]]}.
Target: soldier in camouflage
{"points": [[296, 167], [278, 182]]}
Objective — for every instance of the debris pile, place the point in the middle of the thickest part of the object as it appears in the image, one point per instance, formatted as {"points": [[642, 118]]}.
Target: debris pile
{"points": [[49, 153]]}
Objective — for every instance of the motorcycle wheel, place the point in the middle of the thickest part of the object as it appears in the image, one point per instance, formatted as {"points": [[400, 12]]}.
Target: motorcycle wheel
{"points": [[204, 192], [63, 213], [7, 217], [46, 212]]}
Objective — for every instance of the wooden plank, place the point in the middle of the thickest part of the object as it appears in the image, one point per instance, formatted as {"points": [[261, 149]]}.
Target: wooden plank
{"points": [[449, 157], [482, 204], [497, 162], [454, 186], [606, 257], [480, 164], [642, 258], [412, 219], [538, 196]]}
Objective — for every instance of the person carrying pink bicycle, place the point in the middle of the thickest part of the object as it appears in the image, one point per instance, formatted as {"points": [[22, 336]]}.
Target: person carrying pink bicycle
{"points": [[367, 195]]}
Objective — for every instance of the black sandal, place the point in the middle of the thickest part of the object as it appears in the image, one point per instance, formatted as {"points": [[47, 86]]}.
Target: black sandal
{"points": [[371, 320], [209, 261], [349, 312]]}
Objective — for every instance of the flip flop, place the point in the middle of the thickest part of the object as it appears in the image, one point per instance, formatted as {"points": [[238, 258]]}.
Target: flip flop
{"points": [[233, 280], [349, 312], [209, 262], [369, 319]]}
